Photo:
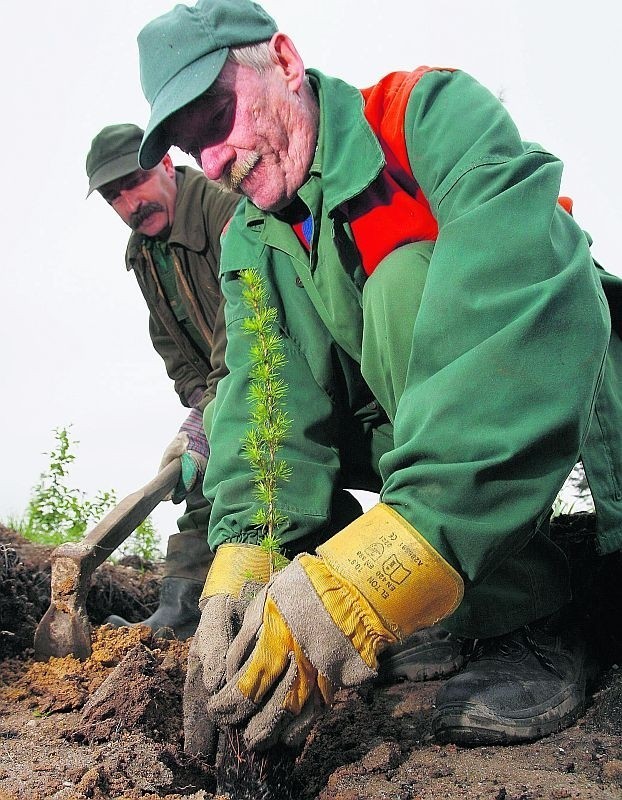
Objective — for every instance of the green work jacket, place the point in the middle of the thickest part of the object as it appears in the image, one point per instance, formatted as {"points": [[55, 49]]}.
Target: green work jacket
{"points": [[509, 345], [202, 209]]}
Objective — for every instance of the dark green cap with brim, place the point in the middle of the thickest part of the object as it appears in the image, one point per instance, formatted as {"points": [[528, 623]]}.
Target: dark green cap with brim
{"points": [[113, 154], [182, 53]]}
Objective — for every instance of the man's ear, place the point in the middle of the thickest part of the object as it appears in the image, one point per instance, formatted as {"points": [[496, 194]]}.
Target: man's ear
{"points": [[167, 161], [286, 57]]}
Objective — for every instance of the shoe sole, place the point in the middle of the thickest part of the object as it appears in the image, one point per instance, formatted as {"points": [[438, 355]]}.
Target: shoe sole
{"points": [[408, 665], [474, 724]]}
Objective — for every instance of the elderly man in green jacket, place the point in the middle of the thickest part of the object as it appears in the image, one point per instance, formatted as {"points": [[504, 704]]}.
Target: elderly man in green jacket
{"points": [[177, 217], [448, 342]]}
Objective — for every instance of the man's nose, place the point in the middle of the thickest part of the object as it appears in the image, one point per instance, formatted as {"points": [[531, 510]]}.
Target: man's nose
{"points": [[214, 159], [130, 201]]}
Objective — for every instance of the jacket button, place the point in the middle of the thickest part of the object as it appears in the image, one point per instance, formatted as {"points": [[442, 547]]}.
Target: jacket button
{"points": [[298, 281]]}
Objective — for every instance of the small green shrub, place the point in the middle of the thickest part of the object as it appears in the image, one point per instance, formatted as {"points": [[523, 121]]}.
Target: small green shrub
{"points": [[57, 512]]}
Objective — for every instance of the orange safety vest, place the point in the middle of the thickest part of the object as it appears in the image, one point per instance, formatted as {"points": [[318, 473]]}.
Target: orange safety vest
{"points": [[393, 210]]}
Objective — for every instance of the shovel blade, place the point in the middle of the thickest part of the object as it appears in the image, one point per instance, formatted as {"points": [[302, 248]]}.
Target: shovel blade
{"points": [[61, 633], [65, 629]]}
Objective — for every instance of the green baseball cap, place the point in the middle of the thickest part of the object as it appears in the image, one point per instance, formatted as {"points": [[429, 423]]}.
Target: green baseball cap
{"points": [[181, 55], [113, 154]]}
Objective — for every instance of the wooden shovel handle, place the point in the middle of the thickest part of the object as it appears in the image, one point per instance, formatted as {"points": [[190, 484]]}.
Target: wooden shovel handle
{"points": [[113, 529]]}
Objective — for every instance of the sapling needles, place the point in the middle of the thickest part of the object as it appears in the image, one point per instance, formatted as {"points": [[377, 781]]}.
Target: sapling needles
{"points": [[269, 422]]}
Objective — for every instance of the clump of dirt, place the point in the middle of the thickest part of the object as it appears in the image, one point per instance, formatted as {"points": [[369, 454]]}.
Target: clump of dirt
{"points": [[151, 703], [110, 728], [25, 592], [606, 715]]}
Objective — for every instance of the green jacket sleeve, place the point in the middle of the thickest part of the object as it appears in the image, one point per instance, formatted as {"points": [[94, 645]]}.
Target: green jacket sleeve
{"points": [[509, 342]]}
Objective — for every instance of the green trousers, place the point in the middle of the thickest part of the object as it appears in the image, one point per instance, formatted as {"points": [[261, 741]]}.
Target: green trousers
{"points": [[533, 582]]}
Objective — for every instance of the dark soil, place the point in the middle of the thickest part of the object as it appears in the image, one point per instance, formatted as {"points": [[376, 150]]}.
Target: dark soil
{"points": [[111, 727]]}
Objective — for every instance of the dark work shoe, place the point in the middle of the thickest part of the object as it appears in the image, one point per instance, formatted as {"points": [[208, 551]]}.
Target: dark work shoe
{"points": [[426, 655], [515, 688], [177, 615]]}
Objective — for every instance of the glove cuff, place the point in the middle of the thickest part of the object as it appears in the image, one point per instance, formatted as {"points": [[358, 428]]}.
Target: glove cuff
{"points": [[234, 565], [193, 427], [406, 581], [350, 612]]}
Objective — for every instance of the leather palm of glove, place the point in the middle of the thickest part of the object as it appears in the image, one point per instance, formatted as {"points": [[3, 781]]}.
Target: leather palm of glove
{"points": [[190, 445], [237, 573], [323, 620]]}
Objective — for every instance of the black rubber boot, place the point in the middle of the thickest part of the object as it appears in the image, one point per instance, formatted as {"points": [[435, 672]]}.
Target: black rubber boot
{"points": [[425, 656], [515, 688], [178, 614]]}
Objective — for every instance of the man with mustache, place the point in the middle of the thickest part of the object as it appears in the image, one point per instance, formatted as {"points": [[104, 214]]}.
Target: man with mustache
{"points": [[447, 343], [177, 217]]}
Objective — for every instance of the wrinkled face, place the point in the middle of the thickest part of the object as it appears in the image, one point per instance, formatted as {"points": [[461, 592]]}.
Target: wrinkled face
{"points": [[145, 199], [251, 133]]}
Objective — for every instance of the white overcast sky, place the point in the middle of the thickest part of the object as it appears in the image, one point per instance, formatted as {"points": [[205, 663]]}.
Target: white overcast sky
{"points": [[73, 326]]}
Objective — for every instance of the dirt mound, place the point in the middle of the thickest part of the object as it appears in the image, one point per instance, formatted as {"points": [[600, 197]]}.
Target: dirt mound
{"points": [[110, 728], [24, 591], [151, 703]]}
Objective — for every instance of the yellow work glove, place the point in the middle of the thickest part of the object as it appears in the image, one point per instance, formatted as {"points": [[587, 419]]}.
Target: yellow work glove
{"points": [[323, 620], [237, 573]]}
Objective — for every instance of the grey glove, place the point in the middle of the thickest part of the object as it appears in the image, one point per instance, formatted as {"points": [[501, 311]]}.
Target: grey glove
{"points": [[221, 619], [237, 573]]}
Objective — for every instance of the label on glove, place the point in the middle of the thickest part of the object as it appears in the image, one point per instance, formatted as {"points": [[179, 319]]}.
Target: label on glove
{"points": [[407, 582]]}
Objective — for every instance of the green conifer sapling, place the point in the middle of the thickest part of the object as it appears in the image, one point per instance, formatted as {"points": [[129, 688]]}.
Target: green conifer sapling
{"points": [[269, 423]]}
